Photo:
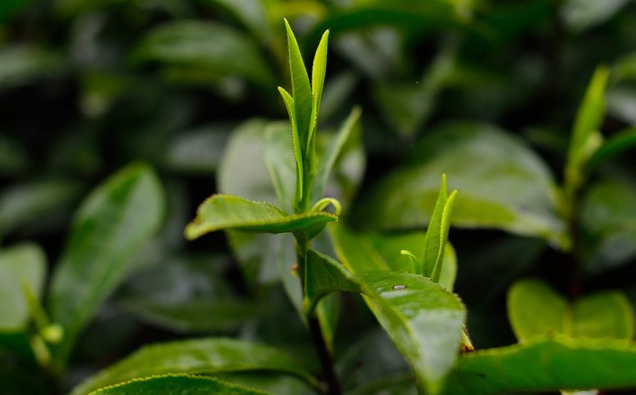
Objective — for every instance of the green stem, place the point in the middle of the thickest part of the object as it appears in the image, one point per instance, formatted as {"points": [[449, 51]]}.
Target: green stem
{"points": [[330, 378]]}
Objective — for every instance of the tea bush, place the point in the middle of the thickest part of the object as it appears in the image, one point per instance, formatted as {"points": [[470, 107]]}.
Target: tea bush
{"points": [[504, 126]]}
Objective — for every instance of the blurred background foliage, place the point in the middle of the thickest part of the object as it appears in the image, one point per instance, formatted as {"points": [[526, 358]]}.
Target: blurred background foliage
{"points": [[484, 90]]}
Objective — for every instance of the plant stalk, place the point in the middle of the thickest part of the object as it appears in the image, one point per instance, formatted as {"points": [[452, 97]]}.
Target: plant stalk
{"points": [[315, 331]]}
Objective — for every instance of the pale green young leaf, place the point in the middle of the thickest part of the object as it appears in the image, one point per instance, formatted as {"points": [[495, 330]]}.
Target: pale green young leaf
{"points": [[547, 363], [177, 384], [437, 233], [21, 266], [298, 152], [118, 218], [301, 91], [586, 139], [318, 72], [198, 356], [600, 315], [226, 212], [528, 297], [449, 269], [422, 319]]}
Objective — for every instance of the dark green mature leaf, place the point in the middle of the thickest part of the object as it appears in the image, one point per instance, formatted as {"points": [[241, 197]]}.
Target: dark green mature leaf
{"points": [[112, 224], [29, 203], [423, 320], [329, 158], [608, 217], [20, 266], [545, 364], [226, 212], [251, 13], [619, 143], [204, 356], [196, 151], [28, 64], [581, 15], [270, 382], [502, 185], [199, 315], [586, 138], [600, 315], [181, 384], [207, 46]]}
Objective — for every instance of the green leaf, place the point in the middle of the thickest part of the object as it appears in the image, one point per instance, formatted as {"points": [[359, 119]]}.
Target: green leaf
{"points": [[113, 223], [20, 266], [612, 147], [173, 384], [206, 46], [301, 90], [242, 170], [296, 143], [580, 15], [329, 158], [502, 184], [199, 315], [407, 106], [437, 234], [198, 356], [586, 139], [608, 217], [225, 212], [188, 294], [600, 315], [196, 151], [545, 364], [279, 159], [318, 72], [33, 202], [251, 13], [423, 320], [527, 297], [27, 64]]}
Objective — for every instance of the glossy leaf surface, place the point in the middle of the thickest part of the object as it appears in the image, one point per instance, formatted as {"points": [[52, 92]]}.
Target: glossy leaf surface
{"points": [[20, 266], [225, 212], [502, 185], [545, 364], [177, 384], [208, 46], [205, 356], [600, 315], [422, 319], [113, 223]]}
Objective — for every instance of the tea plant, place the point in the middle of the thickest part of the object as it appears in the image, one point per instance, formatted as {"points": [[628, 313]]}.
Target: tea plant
{"points": [[572, 334]]}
